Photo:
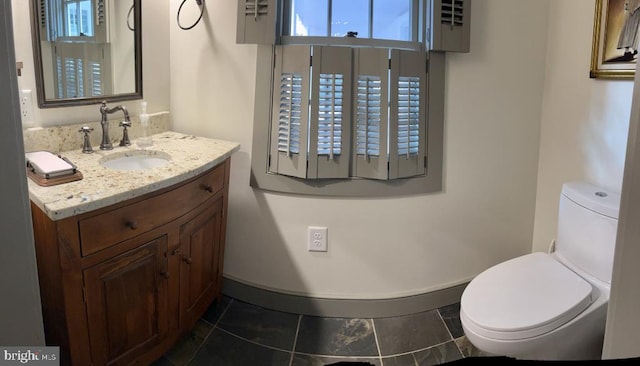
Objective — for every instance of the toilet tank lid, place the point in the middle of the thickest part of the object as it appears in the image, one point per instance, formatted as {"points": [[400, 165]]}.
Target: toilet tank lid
{"points": [[592, 197]]}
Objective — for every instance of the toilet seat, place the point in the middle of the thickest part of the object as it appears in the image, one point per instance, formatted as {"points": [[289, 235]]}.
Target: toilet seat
{"points": [[524, 297]]}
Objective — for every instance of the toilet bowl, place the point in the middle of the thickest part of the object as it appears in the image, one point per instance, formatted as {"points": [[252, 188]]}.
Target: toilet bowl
{"points": [[544, 306]]}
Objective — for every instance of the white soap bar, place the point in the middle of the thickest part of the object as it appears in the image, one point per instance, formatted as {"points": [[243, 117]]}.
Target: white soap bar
{"points": [[45, 162]]}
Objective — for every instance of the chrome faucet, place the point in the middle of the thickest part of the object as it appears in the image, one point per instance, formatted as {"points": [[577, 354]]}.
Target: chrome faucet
{"points": [[106, 141]]}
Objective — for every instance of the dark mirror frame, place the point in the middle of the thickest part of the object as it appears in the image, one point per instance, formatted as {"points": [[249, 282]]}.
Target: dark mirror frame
{"points": [[69, 102]]}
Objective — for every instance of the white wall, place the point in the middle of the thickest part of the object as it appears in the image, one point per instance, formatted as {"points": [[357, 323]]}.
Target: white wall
{"points": [[386, 247], [620, 339], [155, 49], [20, 311], [584, 121]]}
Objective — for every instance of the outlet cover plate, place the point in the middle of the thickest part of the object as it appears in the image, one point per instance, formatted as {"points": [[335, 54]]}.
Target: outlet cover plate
{"points": [[317, 239]]}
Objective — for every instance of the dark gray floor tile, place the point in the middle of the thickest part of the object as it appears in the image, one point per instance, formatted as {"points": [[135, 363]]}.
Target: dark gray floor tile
{"points": [[469, 350], [162, 361], [263, 326], [437, 355], [451, 316], [410, 332], [186, 348], [216, 309], [403, 360], [309, 360], [224, 349], [336, 337]]}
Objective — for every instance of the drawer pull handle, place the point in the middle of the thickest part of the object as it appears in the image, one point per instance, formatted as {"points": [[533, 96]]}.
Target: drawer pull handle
{"points": [[131, 225], [208, 188], [165, 274], [187, 260]]}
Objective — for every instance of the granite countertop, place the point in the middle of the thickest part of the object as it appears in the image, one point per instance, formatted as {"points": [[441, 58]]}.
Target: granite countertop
{"points": [[101, 187]]}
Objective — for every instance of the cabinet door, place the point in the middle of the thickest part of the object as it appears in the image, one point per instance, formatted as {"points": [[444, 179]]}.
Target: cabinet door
{"points": [[126, 300], [201, 263]]}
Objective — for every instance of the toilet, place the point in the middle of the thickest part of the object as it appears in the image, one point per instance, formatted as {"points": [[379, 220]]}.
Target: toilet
{"points": [[550, 306]]}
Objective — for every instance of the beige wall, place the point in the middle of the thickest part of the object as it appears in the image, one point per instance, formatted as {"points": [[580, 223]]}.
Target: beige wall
{"points": [[156, 89], [386, 247], [584, 121]]}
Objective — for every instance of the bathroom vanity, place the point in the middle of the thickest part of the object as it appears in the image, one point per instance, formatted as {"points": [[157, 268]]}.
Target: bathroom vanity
{"points": [[128, 261]]}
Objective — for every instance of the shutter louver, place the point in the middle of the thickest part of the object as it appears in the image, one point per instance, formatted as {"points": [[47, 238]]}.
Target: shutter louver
{"points": [[371, 103], [59, 77], [100, 12], [407, 151], [330, 117], [256, 21], [70, 78], [368, 120], [290, 118], [450, 30], [256, 8], [452, 13], [47, 22], [408, 116], [96, 79], [80, 76], [289, 122], [43, 13]]}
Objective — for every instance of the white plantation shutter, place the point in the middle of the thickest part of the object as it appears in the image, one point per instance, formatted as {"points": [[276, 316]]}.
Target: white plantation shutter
{"points": [[82, 70], [450, 30], [96, 78], [407, 137], [340, 113], [289, 121], [330, 118], [371, 122], [256, 21], [72, 78]]}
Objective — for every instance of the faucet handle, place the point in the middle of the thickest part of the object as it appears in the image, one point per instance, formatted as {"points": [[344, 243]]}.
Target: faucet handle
{"points": [[86, 145], [125, 134]]}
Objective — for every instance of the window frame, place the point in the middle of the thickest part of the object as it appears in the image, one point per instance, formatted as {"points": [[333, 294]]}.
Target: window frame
{"points": [[417, 33]]}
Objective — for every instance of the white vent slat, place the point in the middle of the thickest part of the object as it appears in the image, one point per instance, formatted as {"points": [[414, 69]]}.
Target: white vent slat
{"points": [[96, 79], [330, 119], [43, 13], [256, 8], [368, 121], [100, 12], [290, 118], [452, 12], [408, 116]]}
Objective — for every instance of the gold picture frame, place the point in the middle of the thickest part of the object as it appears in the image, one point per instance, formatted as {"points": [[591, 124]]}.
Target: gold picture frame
{"points": [[615, 39]]}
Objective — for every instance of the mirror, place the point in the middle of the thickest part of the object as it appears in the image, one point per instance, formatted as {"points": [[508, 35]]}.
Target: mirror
{"points": [[86, 51]]}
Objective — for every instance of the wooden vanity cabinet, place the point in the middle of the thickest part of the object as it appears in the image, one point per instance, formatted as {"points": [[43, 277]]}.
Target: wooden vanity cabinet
{"points": [[126, 299]]}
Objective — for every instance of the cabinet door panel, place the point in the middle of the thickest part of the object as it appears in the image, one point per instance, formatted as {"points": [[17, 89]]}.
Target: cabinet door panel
{"points": [[199, 278], [126, 303]]}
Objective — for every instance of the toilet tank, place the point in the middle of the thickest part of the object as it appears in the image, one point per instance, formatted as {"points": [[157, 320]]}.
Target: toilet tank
{"points": [[587, 226]]}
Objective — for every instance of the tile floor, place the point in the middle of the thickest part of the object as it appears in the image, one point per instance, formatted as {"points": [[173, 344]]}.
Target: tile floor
{"points": [[236, 333]]}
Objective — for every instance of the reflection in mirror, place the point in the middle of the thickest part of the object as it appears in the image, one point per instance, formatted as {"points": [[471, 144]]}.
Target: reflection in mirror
{"points": [[87, 51]]}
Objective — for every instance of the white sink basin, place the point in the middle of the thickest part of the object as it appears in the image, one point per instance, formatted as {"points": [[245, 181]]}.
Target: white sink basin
{"points": [[135, 160]]}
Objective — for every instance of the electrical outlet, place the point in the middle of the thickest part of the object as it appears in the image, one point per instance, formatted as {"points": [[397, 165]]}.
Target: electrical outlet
{"points": [[317, 241], [26, 107]]}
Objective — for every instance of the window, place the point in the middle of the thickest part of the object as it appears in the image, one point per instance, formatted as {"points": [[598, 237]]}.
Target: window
{"points": [[77, 37], [379, 19], [78, 16], [350, 93]]}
